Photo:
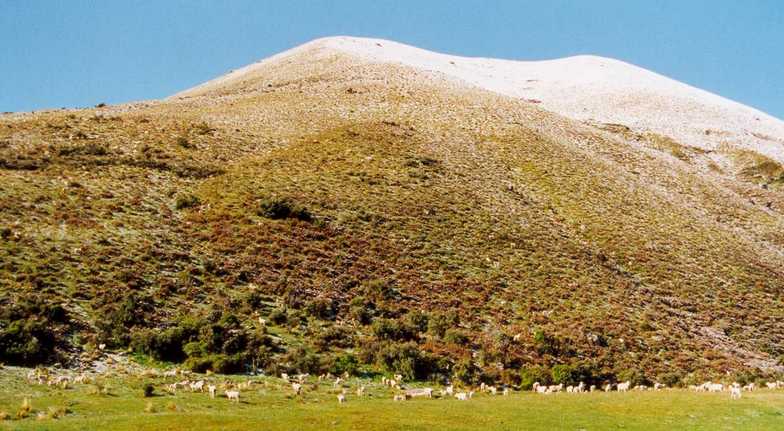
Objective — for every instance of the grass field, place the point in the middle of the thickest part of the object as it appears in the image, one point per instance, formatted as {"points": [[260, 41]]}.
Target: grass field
{"points": [[271, 406]]}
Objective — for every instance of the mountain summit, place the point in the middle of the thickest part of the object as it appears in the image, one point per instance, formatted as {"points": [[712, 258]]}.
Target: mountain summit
{"points": [[362, 203]]}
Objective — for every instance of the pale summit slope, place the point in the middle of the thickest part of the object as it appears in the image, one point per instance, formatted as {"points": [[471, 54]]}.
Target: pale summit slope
{"points": [[582, 87]]}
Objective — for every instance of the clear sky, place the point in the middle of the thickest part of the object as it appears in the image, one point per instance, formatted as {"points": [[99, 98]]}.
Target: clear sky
{"points": [[76, 53]]}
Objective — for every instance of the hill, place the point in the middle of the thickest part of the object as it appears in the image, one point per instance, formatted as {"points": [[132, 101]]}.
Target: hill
{"points": [[377, 210]]}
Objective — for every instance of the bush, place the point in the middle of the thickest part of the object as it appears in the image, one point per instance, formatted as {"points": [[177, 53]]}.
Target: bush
{"points": [[564, 374], [406, 359], [466, 372], [545, 344], [633, 375], [187, 200], [345, 363], [321, 308], [278, 209], [278, 316], [532, 374], [438, 323], [149, 390], [390, 329], [456, 336], [362, 311], [334, 336]]}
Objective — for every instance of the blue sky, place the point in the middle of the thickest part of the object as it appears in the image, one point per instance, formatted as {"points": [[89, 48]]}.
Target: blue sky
{"points": [[79, 53]]}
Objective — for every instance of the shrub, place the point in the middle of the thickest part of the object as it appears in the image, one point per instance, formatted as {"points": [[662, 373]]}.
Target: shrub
{"points": [[321, 308], [149, 390], [187, 200], [564, 374], [278, 209], [466, 372], [361, 310], [532, 374], [635, 376], [544, 343], [456, 336], [334, 336], [345, 363], [438, 323], [390, 329], [278, 316], [406, 359], [671, 379]]}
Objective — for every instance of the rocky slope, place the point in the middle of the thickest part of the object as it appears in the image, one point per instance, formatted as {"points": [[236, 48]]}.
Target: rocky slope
{"points": [[378, 205]]}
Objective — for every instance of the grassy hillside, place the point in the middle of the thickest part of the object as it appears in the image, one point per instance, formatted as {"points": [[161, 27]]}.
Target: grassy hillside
{"points": [[378, 219]]}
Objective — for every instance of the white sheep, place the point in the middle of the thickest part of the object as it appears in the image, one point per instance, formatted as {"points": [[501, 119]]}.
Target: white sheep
{"points": [[197, 386], [420, 392], [341, 398], [658, 386], [624, 387], [505, 392], [297, 387], [608, 387], [233, 396], [462, 396], [735, 393], [449, 390], [211, 389], [771, 385], [360, 390]]}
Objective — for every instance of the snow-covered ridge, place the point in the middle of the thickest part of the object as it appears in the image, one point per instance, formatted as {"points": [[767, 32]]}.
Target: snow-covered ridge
{"points": [[583, 87]]}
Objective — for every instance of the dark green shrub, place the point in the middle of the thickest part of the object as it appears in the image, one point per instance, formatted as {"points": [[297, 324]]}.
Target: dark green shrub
{"points": [[532, 374], [466, 372], [406, 359], [334, 337], [321, 308], [456, 336], [278, 209], [186, 200], [545, 344], [390, 329], [345, 363], [564, 374], [149, 390], [362, 311], [438, 323], [278, 316]]}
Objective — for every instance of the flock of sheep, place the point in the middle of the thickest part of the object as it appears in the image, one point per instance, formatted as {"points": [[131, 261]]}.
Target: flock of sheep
{"points": [[232, 390]]}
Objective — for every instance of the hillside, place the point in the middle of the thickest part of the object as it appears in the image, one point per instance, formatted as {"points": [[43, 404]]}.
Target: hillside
{"points": [[381, 212]]}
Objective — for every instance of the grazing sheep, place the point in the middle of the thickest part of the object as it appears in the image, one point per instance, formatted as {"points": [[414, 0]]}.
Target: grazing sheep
{"points": [[420, 392], [624, 387], [284, 376], [735, 393], [341, 398], [197, 386], [506, 391], [592, 388], [462, 396], [569, 389], [492, 390], [449, 390], [233, 396], [658, 386], [750, 387], [211, 389], [641, 388], [360, 391], [608, 387], [399, 377], [580, 388], [771, 385], [715, 387], [297, 387]]}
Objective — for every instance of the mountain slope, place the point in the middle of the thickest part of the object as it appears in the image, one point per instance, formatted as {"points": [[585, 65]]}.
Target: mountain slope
{"points": [[382, 210]]}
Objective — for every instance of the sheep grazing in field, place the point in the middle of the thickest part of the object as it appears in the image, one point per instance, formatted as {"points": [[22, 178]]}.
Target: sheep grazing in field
{"points": [[555, 388], [735, 393], [750, 387], [399, 378], [302, 377], [341, 398], [420, 392], [449, 390], [482, 387], [172, 388], [233, 396], [505, 392], [399, 397], [361, 391], [658, 386], [580, 388], [211, 389], [771, 385], [284, 376], [492, 390], [624, 387], [297, 388], [197, 386], [715, 387], [608, 387], [641, 388], [170, 373], [592, 388], [462, 396], [569, 389]]}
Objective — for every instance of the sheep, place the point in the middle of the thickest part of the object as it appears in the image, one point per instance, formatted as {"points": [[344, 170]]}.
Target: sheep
{"points": [[284, 376], [341, 398], [360, 391], [569, 389], [608, 387], [505, 392], [771, 385], [715, 387], [735, 393], [197, 386], [555, 388], [211, 389], [592, 388], [658, 386], [580, 388], [399, 377], [420, 392], [233, 396], [462, 396], [750, 387], [641, 388], [492, 390], [449, 390], [297, 387], [624, 387]]}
